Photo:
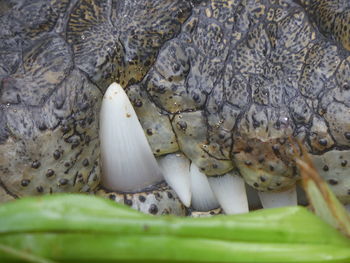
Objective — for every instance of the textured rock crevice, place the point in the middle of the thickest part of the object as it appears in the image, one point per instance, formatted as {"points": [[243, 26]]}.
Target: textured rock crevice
{"points": [[55, 59]]}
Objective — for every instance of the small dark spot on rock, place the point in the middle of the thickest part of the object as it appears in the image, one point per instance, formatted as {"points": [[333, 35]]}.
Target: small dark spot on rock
{"points": [[348, 191], [333, 181], [112, 196], [269, 188], [25, 182], [262, 178], [142, 198], [80, 178], [258, 10], [195, 97], [63, 181], [56, 154], [344, 163], [346, 86], [82, 123], [149, 132], [323, 142], [85, 106], [256, 124], [275, 147], [35, 164], [347, 135], [128, 202], [261, 160], [176, 67], [67, 164], [215, 166], [202, 169], [157, 150], [42, 126], [85, 162], [157, 195], [278, 184], [272, 168], [87, 139], [256, 184], [153, 209], [65, 129], [182, 125], [75, 143], [50, 173], [147, 63], [138, 103], [248, 149], [325, 168], [248, 163], [173, 88], [221, 135], [90, 120], [170, 195], [40, 189]]}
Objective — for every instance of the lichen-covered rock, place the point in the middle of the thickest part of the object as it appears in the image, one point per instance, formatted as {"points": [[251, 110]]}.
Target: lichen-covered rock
{"points": [[56, 59], [332, 17], [244, 77]]}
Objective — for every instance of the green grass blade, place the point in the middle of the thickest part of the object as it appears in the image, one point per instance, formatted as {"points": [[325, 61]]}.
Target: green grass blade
{"points": [[90, 214], [67, 247], [20, 255], [81, 228]]}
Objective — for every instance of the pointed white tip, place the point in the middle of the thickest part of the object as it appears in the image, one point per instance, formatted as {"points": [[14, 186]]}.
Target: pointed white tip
{"points": [[127, 160], [278, 199], [176, 171], [231, 193], [203, 198]]}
